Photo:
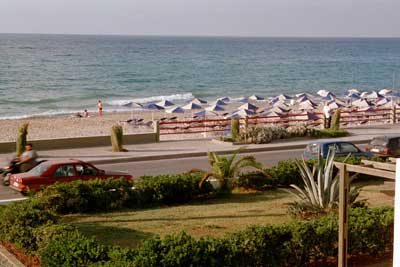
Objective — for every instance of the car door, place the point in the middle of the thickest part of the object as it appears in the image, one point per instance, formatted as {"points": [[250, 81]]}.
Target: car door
{"points": [[64, 173], [87, 172]]}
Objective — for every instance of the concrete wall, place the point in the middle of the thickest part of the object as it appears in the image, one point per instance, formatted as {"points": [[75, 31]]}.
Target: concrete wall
{"points": [[79, 142]]}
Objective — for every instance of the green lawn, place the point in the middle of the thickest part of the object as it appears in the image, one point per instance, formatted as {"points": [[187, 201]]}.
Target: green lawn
{"points": [[212, 217]]}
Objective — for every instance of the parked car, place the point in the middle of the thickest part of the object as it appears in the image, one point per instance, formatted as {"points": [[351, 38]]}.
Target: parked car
{"points": [[342, 149], [385, 145], [50, 172]]}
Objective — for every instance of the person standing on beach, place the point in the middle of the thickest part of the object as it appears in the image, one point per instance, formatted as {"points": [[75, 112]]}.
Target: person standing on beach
{"points": [[85, 114], [327, 115], [100, 108]]}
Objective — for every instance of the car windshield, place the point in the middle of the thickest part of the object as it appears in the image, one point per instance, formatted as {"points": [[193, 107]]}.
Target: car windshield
{"points": [[40, 169], [348, 148], [380, 141]]}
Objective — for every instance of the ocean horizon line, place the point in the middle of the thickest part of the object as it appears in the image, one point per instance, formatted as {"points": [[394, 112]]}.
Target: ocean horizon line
{"points": [[203, 36]]}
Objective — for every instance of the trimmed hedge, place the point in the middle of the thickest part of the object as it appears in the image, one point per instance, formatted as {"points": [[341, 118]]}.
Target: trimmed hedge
{"points": [[296, 244], [114, 194]]}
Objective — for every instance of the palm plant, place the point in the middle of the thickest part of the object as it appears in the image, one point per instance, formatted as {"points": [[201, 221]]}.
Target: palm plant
{"points": [[321, 188], [226, 169]]}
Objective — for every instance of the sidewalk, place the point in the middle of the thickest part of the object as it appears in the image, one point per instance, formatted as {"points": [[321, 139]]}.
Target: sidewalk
{"points": [[193, 148]]}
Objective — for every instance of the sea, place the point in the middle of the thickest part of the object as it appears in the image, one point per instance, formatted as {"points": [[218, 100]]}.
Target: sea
{"points": [[47, 75]]}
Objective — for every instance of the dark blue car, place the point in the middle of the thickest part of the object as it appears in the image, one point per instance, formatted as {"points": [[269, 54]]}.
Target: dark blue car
{"points": [[342, 149]]}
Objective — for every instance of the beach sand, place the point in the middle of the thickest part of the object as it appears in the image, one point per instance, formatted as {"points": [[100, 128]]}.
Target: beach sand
{"points": [[69, 126]]}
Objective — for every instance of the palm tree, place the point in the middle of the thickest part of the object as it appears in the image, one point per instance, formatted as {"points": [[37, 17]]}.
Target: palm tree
{"points": [[321, 189], [226, 169]]}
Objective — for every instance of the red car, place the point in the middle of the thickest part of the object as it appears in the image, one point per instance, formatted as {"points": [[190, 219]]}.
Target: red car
{"points": [[50, 172]]}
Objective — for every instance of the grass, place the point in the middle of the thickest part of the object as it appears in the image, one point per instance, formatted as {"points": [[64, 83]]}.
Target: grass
{"points": [[214, 217]]}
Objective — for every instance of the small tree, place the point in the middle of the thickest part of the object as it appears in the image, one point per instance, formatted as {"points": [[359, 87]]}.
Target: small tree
{"points": [[335, 125], [21, 138], [116, 138], [227, 169], [235, 129]]}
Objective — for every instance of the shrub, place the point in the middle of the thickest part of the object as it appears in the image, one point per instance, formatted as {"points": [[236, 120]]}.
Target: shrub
{"points": [[256, 180], [170, 189], [264, 135], [116, 138], [89, 196], [286, 172], [335, 125], [330, 133], [71, 249], [235, 129], [300, 130], [21, 138], [18, 221]]}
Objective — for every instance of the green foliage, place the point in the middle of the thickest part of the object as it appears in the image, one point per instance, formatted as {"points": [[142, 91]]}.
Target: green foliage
{"points": [[299, 243], [286, 172], [300, 130], [264, 134], [235, 129], [335, 125], [18, 221], [256, 180], [227, 169], [21, 138], [170, 189], [321, 187], [89, 196], [330, 133], [72, 249], [117, 138]]}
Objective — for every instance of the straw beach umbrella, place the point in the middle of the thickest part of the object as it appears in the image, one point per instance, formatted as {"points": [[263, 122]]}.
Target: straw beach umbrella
{"points": [[191, 106], [198, 101], [175, 110], [165, 103], [248, 106], [256, 98], [218, 102], [215, 108], [153, 107], [224, 99]]}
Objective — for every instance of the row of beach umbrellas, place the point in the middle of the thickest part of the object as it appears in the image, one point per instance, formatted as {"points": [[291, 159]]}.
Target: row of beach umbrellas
{"points": [[279, 104]]}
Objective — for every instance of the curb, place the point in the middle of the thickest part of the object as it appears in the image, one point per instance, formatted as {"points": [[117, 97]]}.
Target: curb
{"points": [[204, 153], [7, 259]]}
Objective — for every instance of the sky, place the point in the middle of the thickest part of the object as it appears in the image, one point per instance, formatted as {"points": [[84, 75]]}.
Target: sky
{"points": [[299, 18]]}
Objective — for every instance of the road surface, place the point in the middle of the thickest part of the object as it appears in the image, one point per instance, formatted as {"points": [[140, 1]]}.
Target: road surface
{"points": [[168, 166], [172, 166]]}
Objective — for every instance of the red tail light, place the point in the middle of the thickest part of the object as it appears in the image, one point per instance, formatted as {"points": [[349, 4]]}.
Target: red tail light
{"points": [[386, 150]]}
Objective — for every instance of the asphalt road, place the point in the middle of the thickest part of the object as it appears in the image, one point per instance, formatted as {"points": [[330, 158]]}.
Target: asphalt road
{"points": [[172, 166]]}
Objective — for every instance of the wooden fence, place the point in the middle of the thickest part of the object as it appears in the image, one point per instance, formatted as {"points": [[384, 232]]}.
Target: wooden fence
{"points": [[349, 118]]}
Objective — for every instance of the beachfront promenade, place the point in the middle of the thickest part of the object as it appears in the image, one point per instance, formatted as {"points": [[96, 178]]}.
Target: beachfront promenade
{"points": [[194, 148]]}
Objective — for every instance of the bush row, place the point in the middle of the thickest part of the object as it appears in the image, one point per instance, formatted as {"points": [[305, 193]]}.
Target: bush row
{"points": [[114, 194], [299, 243], [286, 172]]}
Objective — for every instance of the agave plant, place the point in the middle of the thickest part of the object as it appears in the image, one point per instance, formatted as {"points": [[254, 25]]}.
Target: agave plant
{"points": [[226, 169], [321, 188]]}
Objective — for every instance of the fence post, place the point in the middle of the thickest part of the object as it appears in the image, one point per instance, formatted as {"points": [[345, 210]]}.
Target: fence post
{"points": [[156, 125], [343, 215], [393, 115]]}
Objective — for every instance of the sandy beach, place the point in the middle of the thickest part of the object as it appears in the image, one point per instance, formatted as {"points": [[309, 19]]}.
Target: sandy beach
{"points": [[69, 126]]}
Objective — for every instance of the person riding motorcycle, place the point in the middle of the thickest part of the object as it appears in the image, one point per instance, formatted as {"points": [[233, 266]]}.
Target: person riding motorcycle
{"points": [[23, 163], [28, 159]]}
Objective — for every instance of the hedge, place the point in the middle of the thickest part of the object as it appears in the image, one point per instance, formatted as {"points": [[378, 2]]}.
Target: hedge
{"points": [[114, 194], [294, 244]]}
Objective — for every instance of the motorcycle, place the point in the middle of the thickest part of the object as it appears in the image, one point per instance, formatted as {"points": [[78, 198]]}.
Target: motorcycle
{"points": [[12, 168], [8, 170]]}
